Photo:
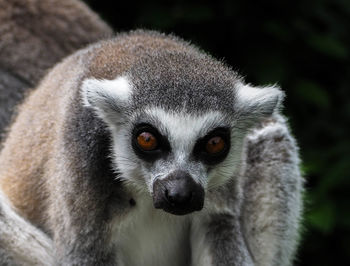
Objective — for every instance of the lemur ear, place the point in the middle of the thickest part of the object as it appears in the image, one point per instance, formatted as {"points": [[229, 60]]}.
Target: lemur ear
{"points": [[258, 102], [107, 97]]}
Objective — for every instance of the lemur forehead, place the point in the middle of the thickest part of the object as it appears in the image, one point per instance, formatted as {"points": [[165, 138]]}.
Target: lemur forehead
{"points": [[183, 80], [182, 125]]}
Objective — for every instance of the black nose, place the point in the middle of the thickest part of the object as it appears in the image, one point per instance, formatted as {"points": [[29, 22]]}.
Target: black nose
{"points": [[178, 194]]}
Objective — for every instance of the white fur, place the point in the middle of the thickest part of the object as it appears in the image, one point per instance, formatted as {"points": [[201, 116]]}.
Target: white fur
{"points": [[259, 97], [185, 127], [201, 254], [118, 88], [104, 95], [148, 236]]}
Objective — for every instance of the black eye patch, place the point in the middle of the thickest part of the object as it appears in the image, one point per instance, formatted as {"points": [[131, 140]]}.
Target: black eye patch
{"points": [[161, 149], [205, 149]]}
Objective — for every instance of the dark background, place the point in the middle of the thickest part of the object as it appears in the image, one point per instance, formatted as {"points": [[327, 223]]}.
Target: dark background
{"points": [[304, 47]]}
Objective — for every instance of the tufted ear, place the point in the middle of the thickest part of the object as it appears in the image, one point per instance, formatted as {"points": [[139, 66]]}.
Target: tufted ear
{"points": [[258, 102], [107, 97]]}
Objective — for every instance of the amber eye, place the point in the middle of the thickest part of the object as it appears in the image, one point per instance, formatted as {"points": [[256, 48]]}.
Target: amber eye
{"points": [[147, 141], [215, 145]]}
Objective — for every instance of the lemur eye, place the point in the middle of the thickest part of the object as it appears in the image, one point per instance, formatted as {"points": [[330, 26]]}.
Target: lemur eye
{"points": [[148, 144], [215, 145], [147, 141]]}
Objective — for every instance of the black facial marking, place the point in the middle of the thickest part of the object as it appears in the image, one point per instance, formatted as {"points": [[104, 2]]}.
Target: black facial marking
{"points": [[163, 145], [132, 202], [200, 153]]}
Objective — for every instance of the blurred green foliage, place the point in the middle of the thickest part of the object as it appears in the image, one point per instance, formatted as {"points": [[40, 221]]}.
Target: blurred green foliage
{"points": [[304, 47]]}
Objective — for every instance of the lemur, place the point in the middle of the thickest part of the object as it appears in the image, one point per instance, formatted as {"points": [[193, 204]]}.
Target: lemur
{"points": [[144, 150]]}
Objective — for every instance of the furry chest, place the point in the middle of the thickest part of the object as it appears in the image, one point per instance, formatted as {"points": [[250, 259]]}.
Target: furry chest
{"points": [[152, 237]]}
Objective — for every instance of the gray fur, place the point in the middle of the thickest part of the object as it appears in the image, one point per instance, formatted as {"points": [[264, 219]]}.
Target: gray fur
{"points": [[88, 198], [183, 82], [34, 35]]}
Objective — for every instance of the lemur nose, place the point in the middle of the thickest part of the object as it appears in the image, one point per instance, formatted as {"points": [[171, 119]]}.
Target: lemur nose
{"points": [[178, 194], [181, 193]]}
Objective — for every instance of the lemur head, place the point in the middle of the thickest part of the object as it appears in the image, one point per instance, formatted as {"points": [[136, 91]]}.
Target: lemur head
{"points": [[178, 120]]}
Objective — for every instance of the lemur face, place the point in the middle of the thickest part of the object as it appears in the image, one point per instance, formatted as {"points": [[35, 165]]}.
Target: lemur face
{"points": [[176, 156], [181, 140], [179, 155]]}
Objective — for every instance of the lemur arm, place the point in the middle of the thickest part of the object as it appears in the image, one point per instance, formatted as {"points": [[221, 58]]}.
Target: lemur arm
{"points": [[272, 187]]}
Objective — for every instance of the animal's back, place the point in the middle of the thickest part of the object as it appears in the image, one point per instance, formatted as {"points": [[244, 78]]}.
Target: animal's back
{"points": [[25, 157], [35, 35]]}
